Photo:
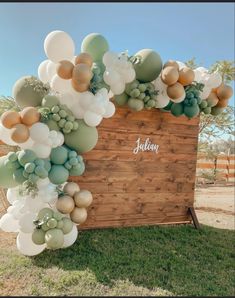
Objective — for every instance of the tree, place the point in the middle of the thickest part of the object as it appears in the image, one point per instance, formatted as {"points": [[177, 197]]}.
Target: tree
{"points": [[7, 103], [226, 69]]}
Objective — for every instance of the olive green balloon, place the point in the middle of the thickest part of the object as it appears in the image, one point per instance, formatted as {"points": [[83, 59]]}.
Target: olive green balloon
{"points": [[54, 238], [121, 99], [136, 104], [38, 236], [6, 174], [207, 110], [203, 104], [83, 139], [177, 109], [191, 111], [95, 45], [49, 101], [149, 67], [28, 95], [58, 174], [59, 155], [67, 225], [215, 111], [52, 124]]}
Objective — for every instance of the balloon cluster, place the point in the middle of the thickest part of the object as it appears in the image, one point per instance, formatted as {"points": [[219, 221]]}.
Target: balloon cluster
{"points": [[74, 202], [57, 119], [119, 71]]}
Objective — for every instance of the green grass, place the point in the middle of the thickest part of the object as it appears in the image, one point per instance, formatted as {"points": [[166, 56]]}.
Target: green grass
{"points": [[176, 260]]}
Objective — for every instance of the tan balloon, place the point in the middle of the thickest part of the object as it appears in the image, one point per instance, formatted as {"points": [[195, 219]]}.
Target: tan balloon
{"points": [[20, 133], [71, 188], [10, 119], [224, 92], [212, 99], [78, 215], [79, 87], [175, 91], [64, 69], [170, 75], [83, 198], [29, 116], [171, 63], [186, 76], [222, 103], [65, 204], [84, 58], [82, 73]]}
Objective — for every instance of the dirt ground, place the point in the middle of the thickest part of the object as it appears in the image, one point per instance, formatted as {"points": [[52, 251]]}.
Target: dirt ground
{"points": [[215, 206]]}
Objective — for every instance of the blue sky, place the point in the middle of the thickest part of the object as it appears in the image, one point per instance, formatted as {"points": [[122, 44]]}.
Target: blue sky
{"points": [[176, 31]]}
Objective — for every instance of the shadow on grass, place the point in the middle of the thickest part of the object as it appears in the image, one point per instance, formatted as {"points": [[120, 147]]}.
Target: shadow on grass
{"points": [[179, 259]]}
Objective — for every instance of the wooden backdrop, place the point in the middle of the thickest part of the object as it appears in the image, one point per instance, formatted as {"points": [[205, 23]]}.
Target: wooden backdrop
{"points": [[146, 188]]}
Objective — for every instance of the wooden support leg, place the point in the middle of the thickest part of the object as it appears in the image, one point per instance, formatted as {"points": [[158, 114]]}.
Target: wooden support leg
{"points": [[192, 213]]}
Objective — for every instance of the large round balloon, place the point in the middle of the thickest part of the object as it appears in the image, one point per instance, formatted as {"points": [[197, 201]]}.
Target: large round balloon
{"points": [[58, 46], [28, 92], [26, 246], [83, 139], [149, 67], [95, 45], [6, 174], [58, 174]]}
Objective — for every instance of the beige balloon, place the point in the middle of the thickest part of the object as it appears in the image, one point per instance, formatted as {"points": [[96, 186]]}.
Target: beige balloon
{"points": [[78, 215], [20, 133], [224, 92], [29, 116], [83, 198], [65, 204], [84, 58], [186, 76], [171, 63], [175, 91], [82, 73], [64, 69], [170, 75], [212, 99], [79, 87], [10, 119], [71, 188], [222, 103]]}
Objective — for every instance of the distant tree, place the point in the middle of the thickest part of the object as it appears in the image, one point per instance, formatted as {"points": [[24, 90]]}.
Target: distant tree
{"points": [[226, 69], [7, 103]]}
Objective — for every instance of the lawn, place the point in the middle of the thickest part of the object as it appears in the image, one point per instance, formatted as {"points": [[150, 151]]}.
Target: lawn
{"points": [[166, 260]]}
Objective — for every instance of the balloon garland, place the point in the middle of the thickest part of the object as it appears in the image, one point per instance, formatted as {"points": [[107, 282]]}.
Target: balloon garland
{"points": [[59, 112]]}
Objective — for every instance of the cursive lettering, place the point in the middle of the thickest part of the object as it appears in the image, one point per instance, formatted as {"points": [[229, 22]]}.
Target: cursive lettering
{"points": [[146, 146]]}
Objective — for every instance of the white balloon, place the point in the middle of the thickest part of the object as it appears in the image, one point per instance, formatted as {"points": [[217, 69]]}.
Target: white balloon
{"points": [[205, 93], [27, 145], [42, 71], [8, 223], [85, 99], [41, 183], [181, 64], [60, 138], [118, 88], [110, 94], [215, 80], [41, 150], [71, 237], [111, 76], [97, 108], [92, 119], [26, 246], [60, 85], [5, 136], [78, 112], [35, 204], [110, 110], [58, 46], [109, 58], [67, 99], [12, 194], [51, 69], [129, 75], [26, 222], [39, 132]]}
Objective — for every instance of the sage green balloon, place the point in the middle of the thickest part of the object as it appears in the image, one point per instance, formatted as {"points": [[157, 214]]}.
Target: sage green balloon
{"points": [[28, 95], [177, 109], [191, 111], [38, 236], [83, 139], [52, 124], [45, 212], [207, 110], [215, 111], [78, 170], [54, 238], [67, 225], [59, 155], [149, 67], [58, 174], [95, 45], [136, 104], [26, 156], [121, 99], [6, 175], [18, 176], [49, 101]]}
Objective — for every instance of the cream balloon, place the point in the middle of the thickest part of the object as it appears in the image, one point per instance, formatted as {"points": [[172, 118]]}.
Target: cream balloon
{"points": [[58, 45], [26, 246], [60, 85], [8, 223], [39, 132], [92, 119], [26, 222], [118, 88], [42, 71], [109, 110], [41, 150]]}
